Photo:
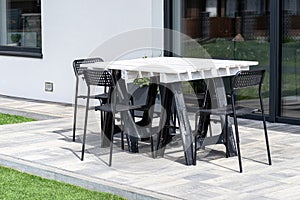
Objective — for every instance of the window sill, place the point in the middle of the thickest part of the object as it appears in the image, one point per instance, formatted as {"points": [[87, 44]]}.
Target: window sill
{"points": [[21, 54]]}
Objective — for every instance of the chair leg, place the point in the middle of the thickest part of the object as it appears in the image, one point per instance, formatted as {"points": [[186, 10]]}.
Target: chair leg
{"points": [[227, 136], [196, 123], [85, 125], [102, 120], [74, 119], [266, 139], [122, 140], [195, 152], [195, 139], [152, 146], [238, 141], [265, 127], [111, 141], [122, 135], [210, 129], [75, 110], [174, 119]]}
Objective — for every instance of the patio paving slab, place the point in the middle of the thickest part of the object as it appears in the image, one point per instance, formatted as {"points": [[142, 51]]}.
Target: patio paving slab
{"points": [[45, 148]]}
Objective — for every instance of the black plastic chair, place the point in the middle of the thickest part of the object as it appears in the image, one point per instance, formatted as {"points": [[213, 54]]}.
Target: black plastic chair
{"points": [[78, 70], [118, 102], [143, 116], [146, 96], [241, 80]]}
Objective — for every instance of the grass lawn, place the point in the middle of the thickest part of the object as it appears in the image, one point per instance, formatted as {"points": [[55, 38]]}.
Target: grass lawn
{"points": [[13, 119], [18, 185]]}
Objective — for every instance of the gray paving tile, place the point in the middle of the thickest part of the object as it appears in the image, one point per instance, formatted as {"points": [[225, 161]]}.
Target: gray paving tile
{"points": [[45, 148]]}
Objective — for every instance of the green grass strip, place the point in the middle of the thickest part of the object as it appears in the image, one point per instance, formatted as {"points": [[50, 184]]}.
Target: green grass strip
{"points": [[13, 119], [19, 185]]}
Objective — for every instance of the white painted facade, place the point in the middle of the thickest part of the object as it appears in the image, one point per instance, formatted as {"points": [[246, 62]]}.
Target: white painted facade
{"points": [[73, 29]]}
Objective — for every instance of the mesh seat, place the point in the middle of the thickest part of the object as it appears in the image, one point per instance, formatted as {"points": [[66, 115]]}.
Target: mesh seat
{"points": [[241, 80], [78, 71], [116, 103]]}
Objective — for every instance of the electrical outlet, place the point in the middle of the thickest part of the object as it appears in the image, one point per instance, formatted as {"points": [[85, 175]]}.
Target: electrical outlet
{"points": [[48, 87]]}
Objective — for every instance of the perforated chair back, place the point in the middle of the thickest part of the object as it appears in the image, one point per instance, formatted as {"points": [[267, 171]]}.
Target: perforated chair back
{"points": [[242, 79], [98, 78], [79, 70], [118, 102], [147, 96], [245, 79]]}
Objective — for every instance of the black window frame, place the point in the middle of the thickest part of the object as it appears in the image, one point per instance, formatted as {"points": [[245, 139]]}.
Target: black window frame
{"points": [[22, 51]]}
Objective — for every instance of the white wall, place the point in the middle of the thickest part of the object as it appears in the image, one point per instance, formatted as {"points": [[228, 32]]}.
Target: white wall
{"points": [[72, 29]]}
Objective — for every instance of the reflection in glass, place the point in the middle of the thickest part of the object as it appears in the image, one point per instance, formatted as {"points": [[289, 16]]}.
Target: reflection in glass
{"points": [[20, 23], [290, 85], [230, 29]]}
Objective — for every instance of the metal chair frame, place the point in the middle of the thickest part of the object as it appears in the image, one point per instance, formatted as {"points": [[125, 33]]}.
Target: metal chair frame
{"points": [[243, 79], [115, 104], [78, 70]]}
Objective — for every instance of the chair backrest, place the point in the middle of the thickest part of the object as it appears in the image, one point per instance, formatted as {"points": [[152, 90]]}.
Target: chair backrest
{"points": [[148, 97], [79, 70], [98, 78], [250, 78]]}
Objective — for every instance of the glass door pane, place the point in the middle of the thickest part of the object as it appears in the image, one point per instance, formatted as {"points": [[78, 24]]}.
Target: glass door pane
{"points": [[229, 29], [290, 85]]}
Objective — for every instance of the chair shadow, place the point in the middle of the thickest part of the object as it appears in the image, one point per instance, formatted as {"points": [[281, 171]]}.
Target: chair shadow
{"points": [[66, 135], [72, 151], [173, 153], [211, 155], [62, 133], [257, 161], [204, 155]]}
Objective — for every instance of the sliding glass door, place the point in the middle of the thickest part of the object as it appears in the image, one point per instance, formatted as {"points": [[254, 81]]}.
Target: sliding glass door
{"points": [[226, 29], [262, 30], [290, 67]]}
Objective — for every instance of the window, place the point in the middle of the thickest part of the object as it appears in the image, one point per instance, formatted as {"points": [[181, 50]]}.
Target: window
{"points": [[20, 28]]}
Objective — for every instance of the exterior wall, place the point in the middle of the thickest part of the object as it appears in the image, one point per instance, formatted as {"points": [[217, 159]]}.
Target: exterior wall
{"points": [[72, 29]]}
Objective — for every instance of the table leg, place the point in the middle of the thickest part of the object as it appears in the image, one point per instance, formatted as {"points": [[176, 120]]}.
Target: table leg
{"points": [[164, 123], [175, 89], [106, 131], [184, 124], [216, 88]]}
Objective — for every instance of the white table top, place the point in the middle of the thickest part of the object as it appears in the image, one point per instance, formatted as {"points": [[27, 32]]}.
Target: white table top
{"points": [[174, 69]]}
